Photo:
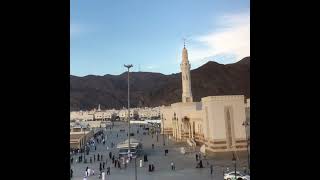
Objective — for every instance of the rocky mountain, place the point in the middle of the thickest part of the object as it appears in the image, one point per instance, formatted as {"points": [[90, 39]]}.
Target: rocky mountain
{"points": [[154, 89]]}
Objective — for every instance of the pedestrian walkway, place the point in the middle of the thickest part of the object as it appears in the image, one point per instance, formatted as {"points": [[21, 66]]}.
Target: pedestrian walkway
{"points": [[185, 164]]}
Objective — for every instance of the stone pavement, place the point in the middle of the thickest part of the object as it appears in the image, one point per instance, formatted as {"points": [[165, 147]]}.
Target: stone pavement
{"points": [[185, 164]]}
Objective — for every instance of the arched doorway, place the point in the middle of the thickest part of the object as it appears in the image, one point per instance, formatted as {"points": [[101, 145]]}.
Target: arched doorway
{"points": [[186, 127]]}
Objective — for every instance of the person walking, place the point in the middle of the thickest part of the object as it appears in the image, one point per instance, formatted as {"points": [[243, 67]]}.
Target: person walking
{"points": [[172, 166], [119, 165], [71, 173], [103, 174], [98, 157], [108, 170], [89, 171], [100, 168], [103, 165], [211, 169], [110, 155], [196, 157]]}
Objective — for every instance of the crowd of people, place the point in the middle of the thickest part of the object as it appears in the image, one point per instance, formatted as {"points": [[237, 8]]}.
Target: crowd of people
{"points": [[78, 155]]}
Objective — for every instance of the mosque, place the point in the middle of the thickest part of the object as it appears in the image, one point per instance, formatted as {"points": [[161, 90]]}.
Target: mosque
{"points": [[217, 122]]}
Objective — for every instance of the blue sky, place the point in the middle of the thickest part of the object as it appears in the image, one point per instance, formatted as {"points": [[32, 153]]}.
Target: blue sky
{"points": [[105, 34]]}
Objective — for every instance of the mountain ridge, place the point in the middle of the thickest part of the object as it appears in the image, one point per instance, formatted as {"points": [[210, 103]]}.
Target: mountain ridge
{"points": [[154, 89]]}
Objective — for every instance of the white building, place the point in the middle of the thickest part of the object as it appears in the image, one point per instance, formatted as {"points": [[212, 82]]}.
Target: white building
{"points": [[148, 113], [215, 122], [123, 114]]}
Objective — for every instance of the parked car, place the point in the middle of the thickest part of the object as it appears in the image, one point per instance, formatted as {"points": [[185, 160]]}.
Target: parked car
{"points": [[231, 176]]}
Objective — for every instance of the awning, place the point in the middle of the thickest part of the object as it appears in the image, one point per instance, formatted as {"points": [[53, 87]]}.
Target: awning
{"points": [[125, 144]]}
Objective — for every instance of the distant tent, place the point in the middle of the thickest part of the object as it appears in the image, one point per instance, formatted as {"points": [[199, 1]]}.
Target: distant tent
{"points": [[133, 143], [203, 149]]}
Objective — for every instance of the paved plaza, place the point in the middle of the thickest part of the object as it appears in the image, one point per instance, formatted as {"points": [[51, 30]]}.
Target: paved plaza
{"points": [[185, 163]]}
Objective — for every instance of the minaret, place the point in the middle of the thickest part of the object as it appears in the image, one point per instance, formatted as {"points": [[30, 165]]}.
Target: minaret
{"points": [[186, 78], [99, 108]]}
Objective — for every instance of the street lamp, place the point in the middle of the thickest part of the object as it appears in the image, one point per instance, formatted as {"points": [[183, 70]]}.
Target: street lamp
{"points": [[129, 66], [247, 124], [135, 167], [163, 130], [234, 161], [157, 135], [84, 143]]}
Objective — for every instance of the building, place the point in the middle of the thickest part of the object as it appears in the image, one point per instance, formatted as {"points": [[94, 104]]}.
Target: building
{"points": [[248, 110], [133, 113], [112, 114], [148, 113], [248, 119], [81, 116], [79, 135], [216, 121], [123, 114]]}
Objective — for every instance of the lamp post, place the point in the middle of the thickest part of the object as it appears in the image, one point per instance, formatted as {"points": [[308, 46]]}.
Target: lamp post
{"points": [[234, 160], [247, 124], [84, 144], [157, 135], [129, 66], [163, 130], [135, 167]]}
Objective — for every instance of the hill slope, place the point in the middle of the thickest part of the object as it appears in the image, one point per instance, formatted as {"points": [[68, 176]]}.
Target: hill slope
{"points": [[154, 89]]}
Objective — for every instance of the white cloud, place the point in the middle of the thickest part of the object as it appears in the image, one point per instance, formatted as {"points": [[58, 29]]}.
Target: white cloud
{"points": [[80, 29], [75, 30], [229, 42], [150, 67]]}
